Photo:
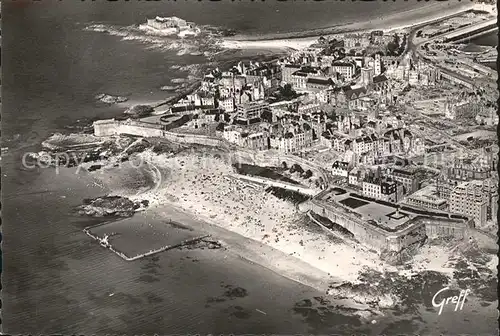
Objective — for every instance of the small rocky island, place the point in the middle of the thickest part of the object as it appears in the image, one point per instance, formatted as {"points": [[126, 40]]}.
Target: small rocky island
{"points": [[109, 99], [108, 206]]}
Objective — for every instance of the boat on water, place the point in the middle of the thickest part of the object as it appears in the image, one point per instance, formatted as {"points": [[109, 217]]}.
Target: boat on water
{"points": [[171, 26]]}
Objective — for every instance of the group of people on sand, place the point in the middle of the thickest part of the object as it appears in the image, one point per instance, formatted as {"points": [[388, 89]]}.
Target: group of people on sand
{"points": [[248, 209]]}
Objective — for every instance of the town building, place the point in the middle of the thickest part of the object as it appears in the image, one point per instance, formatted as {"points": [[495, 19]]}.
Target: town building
{"points": [[293, 140], [356, 177], [347, 70], [462, 171], [367, 75], [340, 168], [427, 198], [299, 80], [382, 188], [380, 84], [467, 199], [377, 65], [308, 108], [287, 71], [251, 111], [246, 138], [461, 109], [353, 41], [407, 178], [167, 23], [231, 84], [318, 84], [227, 104]]}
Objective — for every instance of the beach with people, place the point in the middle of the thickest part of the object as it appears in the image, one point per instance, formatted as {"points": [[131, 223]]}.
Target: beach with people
{"points": [[198, 190]]}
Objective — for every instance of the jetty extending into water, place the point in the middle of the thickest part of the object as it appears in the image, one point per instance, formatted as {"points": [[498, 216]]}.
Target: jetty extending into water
{"points": [[105, 243]]}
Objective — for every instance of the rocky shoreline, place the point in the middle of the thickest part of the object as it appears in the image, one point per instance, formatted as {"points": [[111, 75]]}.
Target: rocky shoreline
{"points": [[110, 206]]}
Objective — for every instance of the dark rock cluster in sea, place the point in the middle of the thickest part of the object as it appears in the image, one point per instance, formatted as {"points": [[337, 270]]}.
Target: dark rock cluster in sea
{"points": [[202, 244], [405, 294], [110, 206], [60, 154], [109, 99], [324, 317]]}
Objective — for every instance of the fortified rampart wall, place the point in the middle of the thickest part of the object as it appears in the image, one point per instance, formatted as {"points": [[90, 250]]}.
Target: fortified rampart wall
{"points": [[439, 227], [115, 127], [381, 239]]}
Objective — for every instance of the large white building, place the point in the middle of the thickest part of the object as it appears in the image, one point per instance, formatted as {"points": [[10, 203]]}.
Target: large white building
{"points": [[356, 41], [227, 104], [383, 189], [427, 198], [347, 70], [293, 141], [251, 110], [340, 168], [245, 138], [467, 198]]}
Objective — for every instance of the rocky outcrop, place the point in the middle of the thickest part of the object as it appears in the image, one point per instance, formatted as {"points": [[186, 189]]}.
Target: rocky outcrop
{"points": [[139, 111], [107, 206], [109, 99]]}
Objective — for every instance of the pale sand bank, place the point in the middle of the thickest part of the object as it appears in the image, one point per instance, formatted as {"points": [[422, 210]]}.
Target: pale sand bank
{"points": [[388, 24], [281, 44]]}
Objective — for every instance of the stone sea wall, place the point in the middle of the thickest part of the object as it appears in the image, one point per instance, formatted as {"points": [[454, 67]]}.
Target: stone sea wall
{"points": [[115, 127], [380, 239], [239, 155]]}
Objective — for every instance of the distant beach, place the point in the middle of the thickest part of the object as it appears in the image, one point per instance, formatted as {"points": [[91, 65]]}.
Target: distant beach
{"points": [[394, 22]]}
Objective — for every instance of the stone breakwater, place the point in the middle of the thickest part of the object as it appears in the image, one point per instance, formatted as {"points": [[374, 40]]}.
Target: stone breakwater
{"points": [[124, 256]]}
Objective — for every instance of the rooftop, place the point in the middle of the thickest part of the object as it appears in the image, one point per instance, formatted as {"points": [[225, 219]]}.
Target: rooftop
{"points": [[379, 78], [369, 210], [427, 194], [320, 81]]}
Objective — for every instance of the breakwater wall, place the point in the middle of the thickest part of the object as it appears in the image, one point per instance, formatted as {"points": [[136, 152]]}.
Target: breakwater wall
{"points": [[278, 184], [146, 254], [188, 90]]}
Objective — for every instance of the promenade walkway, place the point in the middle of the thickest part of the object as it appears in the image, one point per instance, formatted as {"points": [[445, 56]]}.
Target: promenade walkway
{"points": [[279, 184]]}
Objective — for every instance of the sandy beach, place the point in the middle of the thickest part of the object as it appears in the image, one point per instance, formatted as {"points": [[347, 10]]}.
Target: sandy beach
{"points": [[279, 44], [211, 200], [195, 189], [388, 24], [198, 191]]}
